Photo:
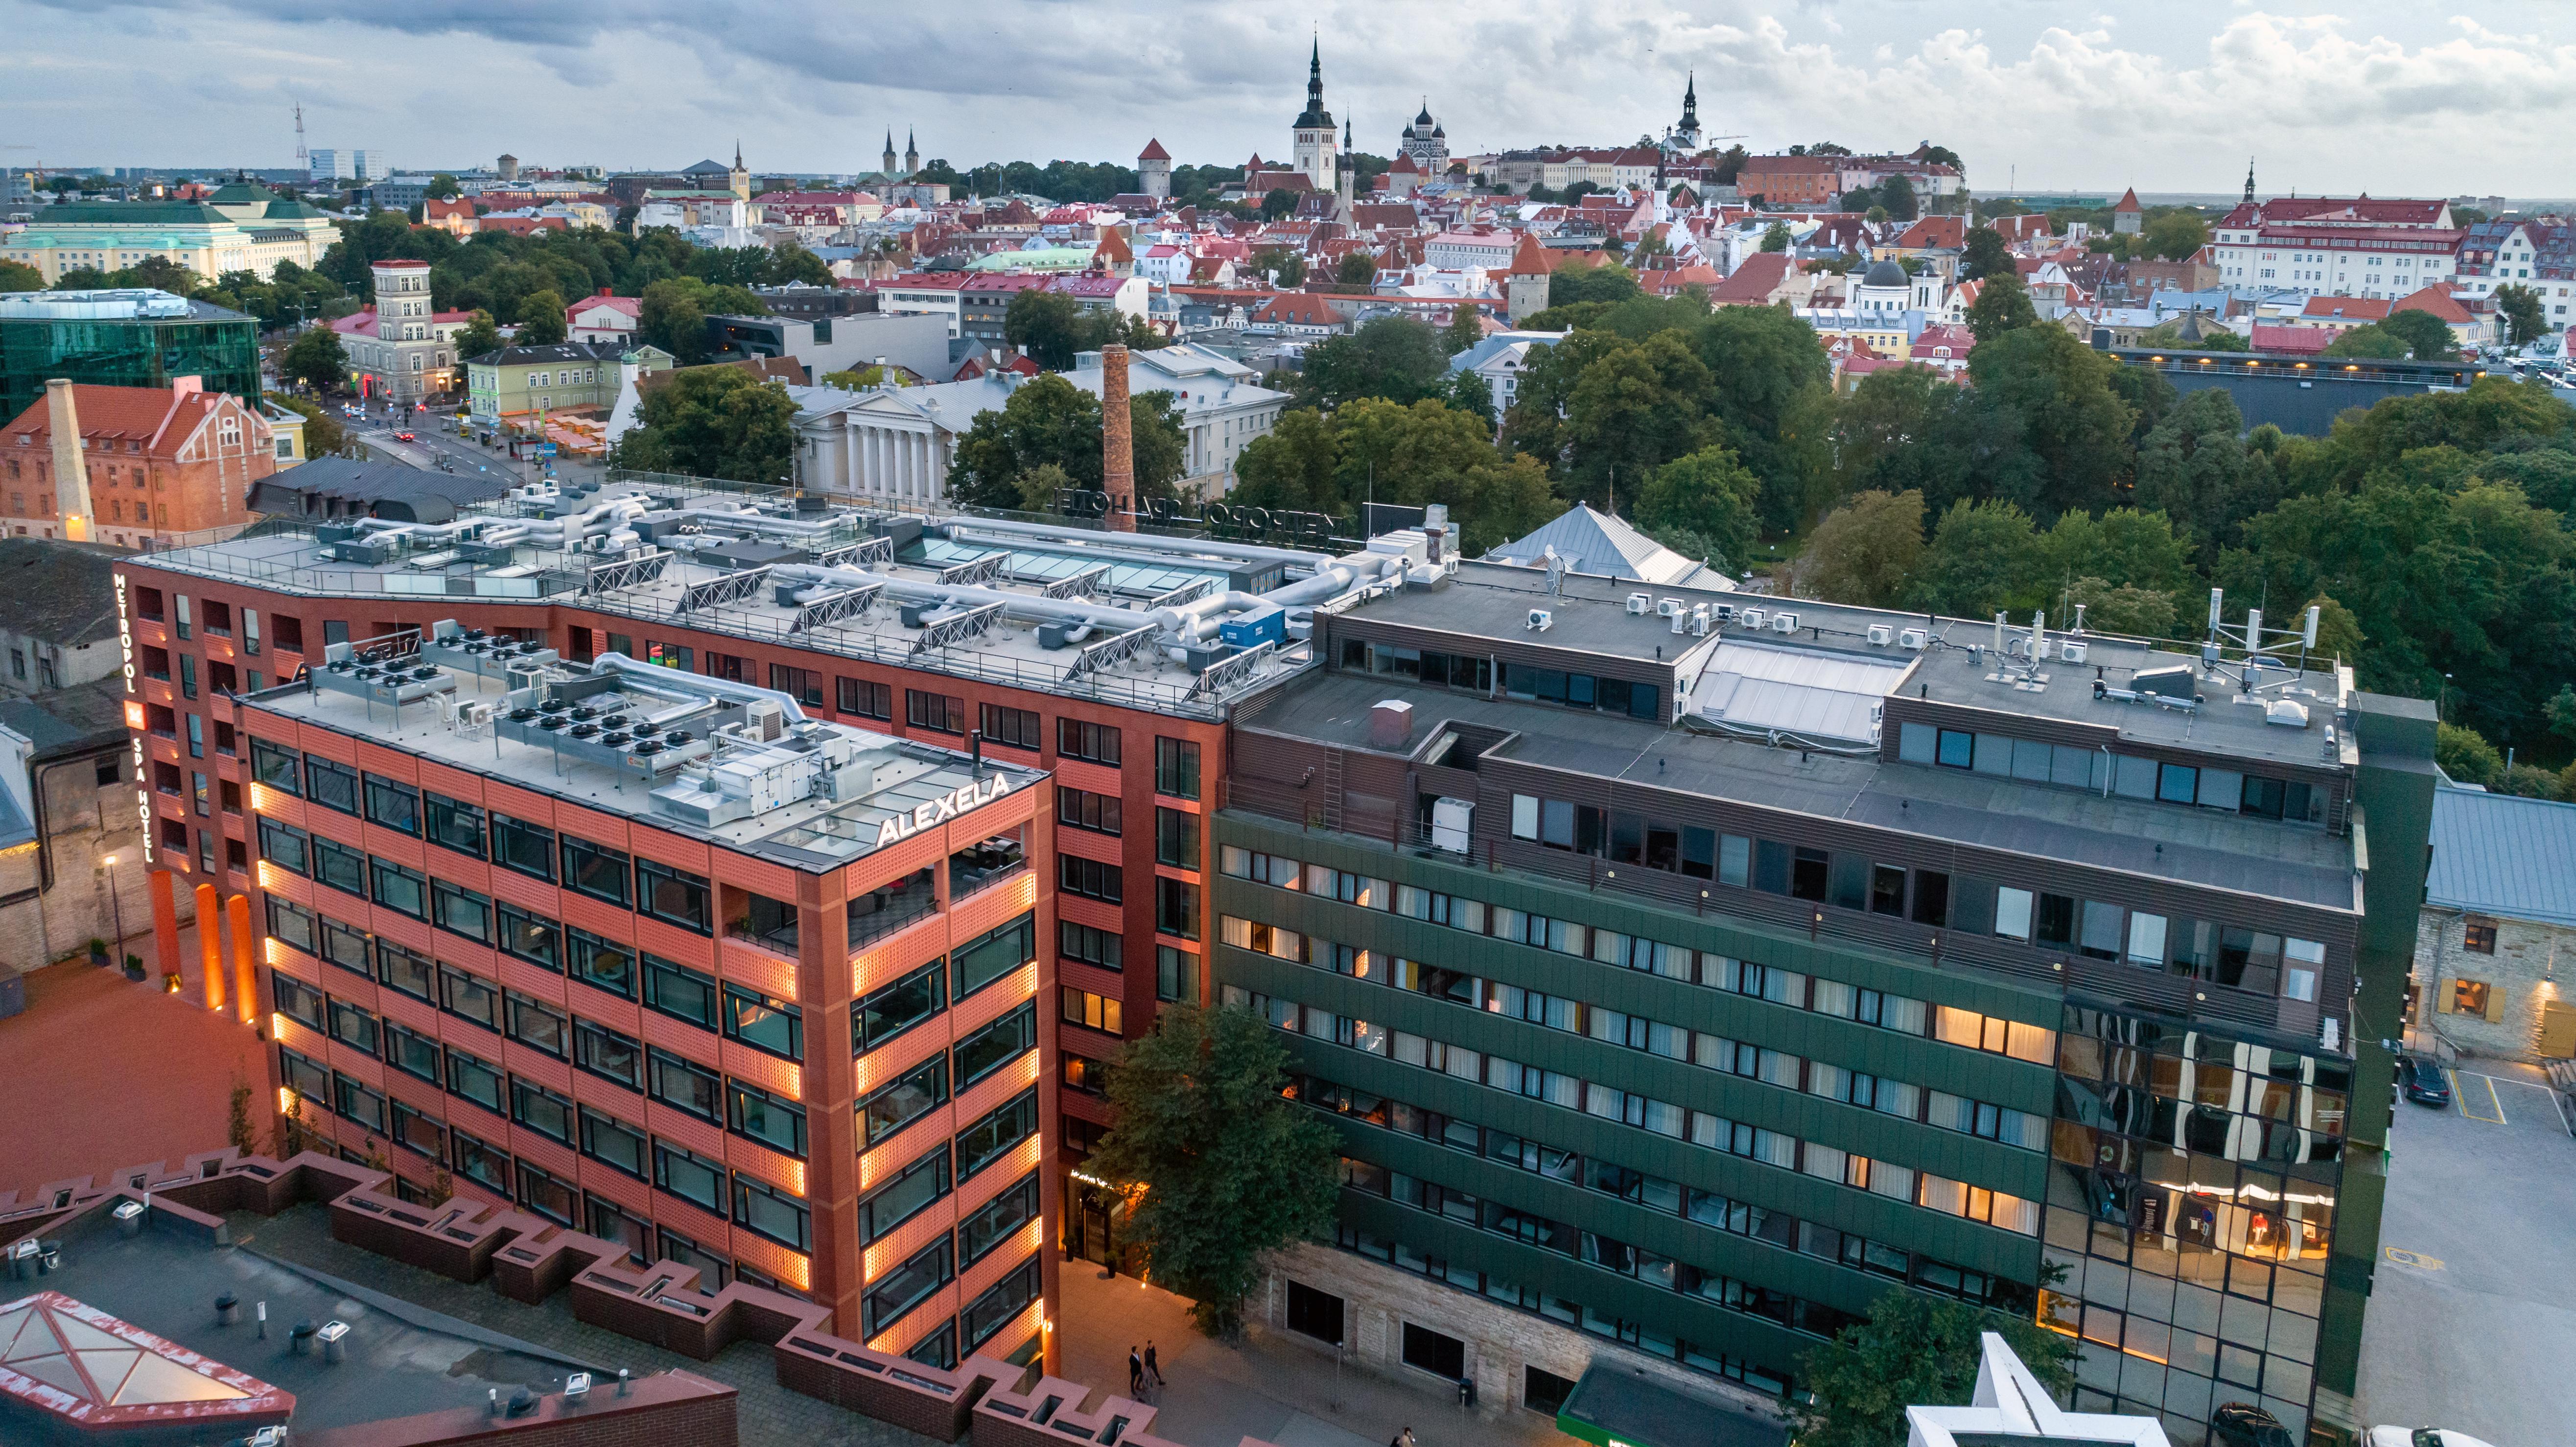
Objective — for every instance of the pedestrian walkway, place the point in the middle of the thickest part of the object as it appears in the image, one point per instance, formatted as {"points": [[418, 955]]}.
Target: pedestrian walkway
{"points": [[103, 1071], [1266, 1386]]}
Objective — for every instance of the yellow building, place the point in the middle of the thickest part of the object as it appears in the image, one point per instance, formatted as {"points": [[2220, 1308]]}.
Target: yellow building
{"points": [[242, 227]]}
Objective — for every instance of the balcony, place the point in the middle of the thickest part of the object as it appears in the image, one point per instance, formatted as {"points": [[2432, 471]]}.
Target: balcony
{"points": [[759, 920], [890, 907], [981, 866]]}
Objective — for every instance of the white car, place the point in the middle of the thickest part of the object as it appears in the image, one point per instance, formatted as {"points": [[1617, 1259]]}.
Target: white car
{"points": [[2423, 1437]]}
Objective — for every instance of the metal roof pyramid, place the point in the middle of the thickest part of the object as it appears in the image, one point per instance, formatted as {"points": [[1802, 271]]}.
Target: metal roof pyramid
{"points": [[1601, 544]]}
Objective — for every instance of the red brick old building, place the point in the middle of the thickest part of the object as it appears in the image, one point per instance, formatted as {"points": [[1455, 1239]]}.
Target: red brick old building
{"points": [[1132, 739], [154, 463]]}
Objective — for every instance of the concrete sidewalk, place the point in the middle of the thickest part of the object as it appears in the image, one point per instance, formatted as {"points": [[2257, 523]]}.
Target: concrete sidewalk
{"points": [[1267, 1386]]}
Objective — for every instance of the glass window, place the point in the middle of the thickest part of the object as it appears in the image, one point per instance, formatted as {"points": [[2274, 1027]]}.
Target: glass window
{"points": [[2147, 940], [347, 947], [673, 896], [1176, 838], [992, 1137], [1176, 975], [398, 889], [461, 911], [473, 1079], [774, 1121], [393, 805], [993, 1222], [296, 999], [997, 1044], [996, 953], [888, 1011], [2101, 937], [539, 1191], [607, 1053], [339, 866], [1097, 743], [601, 964], [481, 1162], [908, 1285], [410, 973], [999, 1306], [470, 997], [689, 1176], [1176, 768], [273, 766], [899, 1200], [1083, 809], [678, 990], [606, 1138], [418, 1133], [283, 845], [597, 872], [524, 847], [538, 1026], [352, 1026], [292, 925], [1176, 907], [2012, 913], [764, 1023], [677, 1081], [332, 784], [894, 1106], [454, 825], [531, 937], [540, 1109], [2177, 783]]}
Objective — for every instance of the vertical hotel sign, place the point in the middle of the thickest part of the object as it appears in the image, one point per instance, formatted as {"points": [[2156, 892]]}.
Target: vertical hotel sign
{"points": [[134, 718]]}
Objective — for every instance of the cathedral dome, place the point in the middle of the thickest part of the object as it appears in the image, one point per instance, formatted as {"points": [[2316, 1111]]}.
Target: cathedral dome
{"points": [[1886, 273]]}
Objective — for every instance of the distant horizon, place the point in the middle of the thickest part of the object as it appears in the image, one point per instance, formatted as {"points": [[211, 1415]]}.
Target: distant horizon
{"points": [[2172, 99]]}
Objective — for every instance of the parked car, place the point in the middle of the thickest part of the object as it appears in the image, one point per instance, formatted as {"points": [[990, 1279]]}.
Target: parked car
{"points": [[2423, 1437], [2242, 1424], [2422, 1081]]}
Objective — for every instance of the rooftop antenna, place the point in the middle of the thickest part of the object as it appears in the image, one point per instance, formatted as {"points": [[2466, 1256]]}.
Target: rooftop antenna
{"points": [[1556, 566], [2248, 643]]}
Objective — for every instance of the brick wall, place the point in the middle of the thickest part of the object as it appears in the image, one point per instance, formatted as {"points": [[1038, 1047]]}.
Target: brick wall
{"points": [[669, 1407], [2517, 977]]}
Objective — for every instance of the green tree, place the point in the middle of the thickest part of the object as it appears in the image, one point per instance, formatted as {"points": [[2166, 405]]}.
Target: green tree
{"points": [[1776, 237], [1466, 328], [714, 422], [237, 1127], [1356, 269], [2561, 712], [1915, 1349], [1986, 255], [19, 276], [675, 311], [1048, 420], [2123, 609], [1581, 281], [1045, 324], [1218, 1168], [1897, 195], [1636, 408], [1984, 558], [1710, 494], [2054, 394], [1042, 487], [1865, 552], [1277, 202], [2520, 308], [1469, 392], [541, 319], [1284, 267], [443, 187], [323, 434], [2002, 305], [2372, 341], [316, 359], [2175, 235], [479, 335], [1291, 466], [1771, 389], [2196, 469], [1393, 357], [2427, 334], [1157, 443], [2465, 755]]}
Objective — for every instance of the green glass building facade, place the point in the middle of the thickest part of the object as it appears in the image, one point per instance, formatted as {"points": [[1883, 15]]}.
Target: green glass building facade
{"points": [[116, 342]]}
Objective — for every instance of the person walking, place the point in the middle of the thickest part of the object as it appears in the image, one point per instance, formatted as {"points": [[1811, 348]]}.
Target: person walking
{"points": [[1402, 1439], [1135, 1372], [1153, 1368]]}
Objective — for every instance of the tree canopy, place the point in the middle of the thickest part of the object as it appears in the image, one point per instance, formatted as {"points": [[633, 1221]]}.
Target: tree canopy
{"points": [[1219, 1169], [1048, 421], [1914, 1349], [1414, 453], [714, 422]]}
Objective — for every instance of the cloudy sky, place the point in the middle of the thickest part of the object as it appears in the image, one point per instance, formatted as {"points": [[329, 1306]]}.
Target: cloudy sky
{"points": [[2168, 95]]}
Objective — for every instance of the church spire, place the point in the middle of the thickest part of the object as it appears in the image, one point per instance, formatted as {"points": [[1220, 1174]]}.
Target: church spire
{"points": [[2249, 179]]}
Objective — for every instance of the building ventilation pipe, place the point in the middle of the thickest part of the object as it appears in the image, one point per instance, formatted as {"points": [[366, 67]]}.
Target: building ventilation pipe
{"points": [[655, 678]]}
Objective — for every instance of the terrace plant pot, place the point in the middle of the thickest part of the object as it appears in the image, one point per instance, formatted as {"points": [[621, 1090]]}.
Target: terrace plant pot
{"points": [[98, 952], [134, 967]]}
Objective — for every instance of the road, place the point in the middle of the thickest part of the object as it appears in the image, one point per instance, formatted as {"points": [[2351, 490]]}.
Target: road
{"points": [[2471, 1324], [432, 444]]}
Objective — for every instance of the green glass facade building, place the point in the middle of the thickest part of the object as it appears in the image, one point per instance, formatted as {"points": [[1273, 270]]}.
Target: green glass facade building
{"points": [[1660, 1037], [121, 339]]}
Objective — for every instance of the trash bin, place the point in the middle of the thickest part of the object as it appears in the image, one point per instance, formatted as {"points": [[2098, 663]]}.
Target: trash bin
{"points": [[299, 1340], [227, 1309], [335, 1341], [22, 1260], [49, 1257]]}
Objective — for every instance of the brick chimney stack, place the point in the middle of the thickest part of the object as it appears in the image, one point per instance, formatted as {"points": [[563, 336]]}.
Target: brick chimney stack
{"points": [[1117, 440], [71, 468]]}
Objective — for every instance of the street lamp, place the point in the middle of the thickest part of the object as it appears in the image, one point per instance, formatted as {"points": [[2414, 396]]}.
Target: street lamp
{"points": [[117, 902]]}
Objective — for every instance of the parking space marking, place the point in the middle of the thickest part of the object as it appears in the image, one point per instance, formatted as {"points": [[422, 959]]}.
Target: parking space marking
{"points": [[2495, 1080], [2460, 1098], [2404, 1257]]}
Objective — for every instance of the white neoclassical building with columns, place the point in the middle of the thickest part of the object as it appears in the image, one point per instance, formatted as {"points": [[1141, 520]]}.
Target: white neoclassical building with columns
{"points": [[892, 446]]}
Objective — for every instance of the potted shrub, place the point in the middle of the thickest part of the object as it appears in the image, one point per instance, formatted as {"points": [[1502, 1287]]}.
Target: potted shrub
{"points": [[134, 967], [97, 950]]}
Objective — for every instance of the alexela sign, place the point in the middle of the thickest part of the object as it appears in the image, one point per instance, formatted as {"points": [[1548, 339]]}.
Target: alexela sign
{"points": [[938, 811]]}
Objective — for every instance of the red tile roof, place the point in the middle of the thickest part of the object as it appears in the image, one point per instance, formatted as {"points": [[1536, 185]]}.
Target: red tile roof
{"points": [[2297, 341], [162, 418], [2436, 300], [1297, 308], [1754, 282], [1153, 152], [2354, 309], [2128, 201], [1949, 232]]}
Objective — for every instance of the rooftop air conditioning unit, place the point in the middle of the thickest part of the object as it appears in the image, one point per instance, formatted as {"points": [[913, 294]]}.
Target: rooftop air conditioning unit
{"points": [[1751, 617], [2073, 650], [1784, 622], [1539, 619], [1913, 638], [765, 719], [1699, 620], [1640, 604], [1879, 634], [1670, 607]]}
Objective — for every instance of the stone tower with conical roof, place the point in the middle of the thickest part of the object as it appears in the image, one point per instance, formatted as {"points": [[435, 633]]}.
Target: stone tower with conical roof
{"points": [[1312, 151], [888, 167], [911, 154]]}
